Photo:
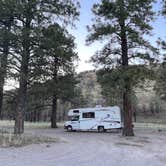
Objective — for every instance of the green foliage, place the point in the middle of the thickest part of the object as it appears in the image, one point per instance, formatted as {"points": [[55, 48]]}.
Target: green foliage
{"points": [[30, 17], [9, 106], [37, 39], [122, 24], [160, 86], [136, 16], [58, 49], [6, 36], [27, 21], [162, 42], [52, 72], [55, 65], [164, 8], [114, 81], [67, 88], [39, 98], [7, 14]]}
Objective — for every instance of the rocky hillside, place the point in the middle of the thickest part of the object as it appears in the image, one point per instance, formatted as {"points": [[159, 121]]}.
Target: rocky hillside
{"points": [[91, 89]]}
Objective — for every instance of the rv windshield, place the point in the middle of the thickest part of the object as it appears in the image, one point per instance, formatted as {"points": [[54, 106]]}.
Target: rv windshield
{"points": [[74, 118]]}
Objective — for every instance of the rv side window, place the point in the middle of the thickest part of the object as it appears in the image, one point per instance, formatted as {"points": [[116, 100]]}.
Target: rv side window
{"points": [[88, 115], [75, 118], [75, 111]]}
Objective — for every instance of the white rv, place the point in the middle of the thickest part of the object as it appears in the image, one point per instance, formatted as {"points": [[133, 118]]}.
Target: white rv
{"points": [[99, 118]]}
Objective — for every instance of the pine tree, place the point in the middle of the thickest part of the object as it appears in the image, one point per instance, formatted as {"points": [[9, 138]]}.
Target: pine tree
{"points": [[57, 64], [164, 7], [160, 86], [123, 24], [7, 14], [163, 43], [31, 17]]}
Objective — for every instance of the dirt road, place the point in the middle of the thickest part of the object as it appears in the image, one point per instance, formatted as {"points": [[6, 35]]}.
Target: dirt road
{"points": [[147, 148]]}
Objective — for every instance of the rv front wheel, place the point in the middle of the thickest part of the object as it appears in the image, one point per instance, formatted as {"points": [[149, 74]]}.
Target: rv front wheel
{"points": [[69, 128], [101, 129]]}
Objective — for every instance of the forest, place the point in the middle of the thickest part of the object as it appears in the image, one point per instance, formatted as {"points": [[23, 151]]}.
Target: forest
{"points": [[38, 53]]}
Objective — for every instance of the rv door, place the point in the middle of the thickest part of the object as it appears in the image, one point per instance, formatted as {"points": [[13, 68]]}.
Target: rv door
{"points": [[87, 122], [75, 123]]}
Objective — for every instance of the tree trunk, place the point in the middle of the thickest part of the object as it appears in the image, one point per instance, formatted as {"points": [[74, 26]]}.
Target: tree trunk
{"points": [[1, 96], [54, 112], [128, 128], [2, 78], [54, 97], [22, 92], [21, 102], [3, 67]]}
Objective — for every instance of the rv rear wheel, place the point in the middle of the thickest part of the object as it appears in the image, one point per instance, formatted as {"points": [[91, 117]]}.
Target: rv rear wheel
{"points": [[101, 129], [69, 128]]}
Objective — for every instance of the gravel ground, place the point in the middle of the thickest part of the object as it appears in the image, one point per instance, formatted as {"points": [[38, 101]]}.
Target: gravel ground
{"points": [[147, 148]]}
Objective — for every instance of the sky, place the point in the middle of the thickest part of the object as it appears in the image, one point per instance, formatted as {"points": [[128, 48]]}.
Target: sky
{"points": [[85, 52], [80, 33]]}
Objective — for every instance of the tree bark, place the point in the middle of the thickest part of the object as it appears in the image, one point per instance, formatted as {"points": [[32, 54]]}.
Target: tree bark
{"points": [[21, 98], [3, 66], [2, 80], [135, 116], [1, 97], [22, 92], [54, 97], [128, 128], [54, 112]]}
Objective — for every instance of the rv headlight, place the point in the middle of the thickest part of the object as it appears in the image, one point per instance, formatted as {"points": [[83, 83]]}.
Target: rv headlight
{"points": [[67, 123]]}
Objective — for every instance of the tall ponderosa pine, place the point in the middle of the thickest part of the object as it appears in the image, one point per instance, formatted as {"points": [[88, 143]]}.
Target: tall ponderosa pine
{"points": [[58, 64], [160, 86], [31, 16], [164, 14], [164, 7], [6, 23], [123, 23]]}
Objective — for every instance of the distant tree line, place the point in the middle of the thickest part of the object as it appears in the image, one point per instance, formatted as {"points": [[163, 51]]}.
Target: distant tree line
{"points": [[39, 101]]}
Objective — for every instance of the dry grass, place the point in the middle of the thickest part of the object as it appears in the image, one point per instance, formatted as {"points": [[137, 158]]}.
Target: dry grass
{"points": [[128, 144], [10, 124], [150, 125], [8, 139], [11, 140]]}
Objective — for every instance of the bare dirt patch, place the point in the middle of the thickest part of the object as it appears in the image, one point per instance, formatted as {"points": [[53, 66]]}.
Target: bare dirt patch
{"points": [[89, 149]]}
